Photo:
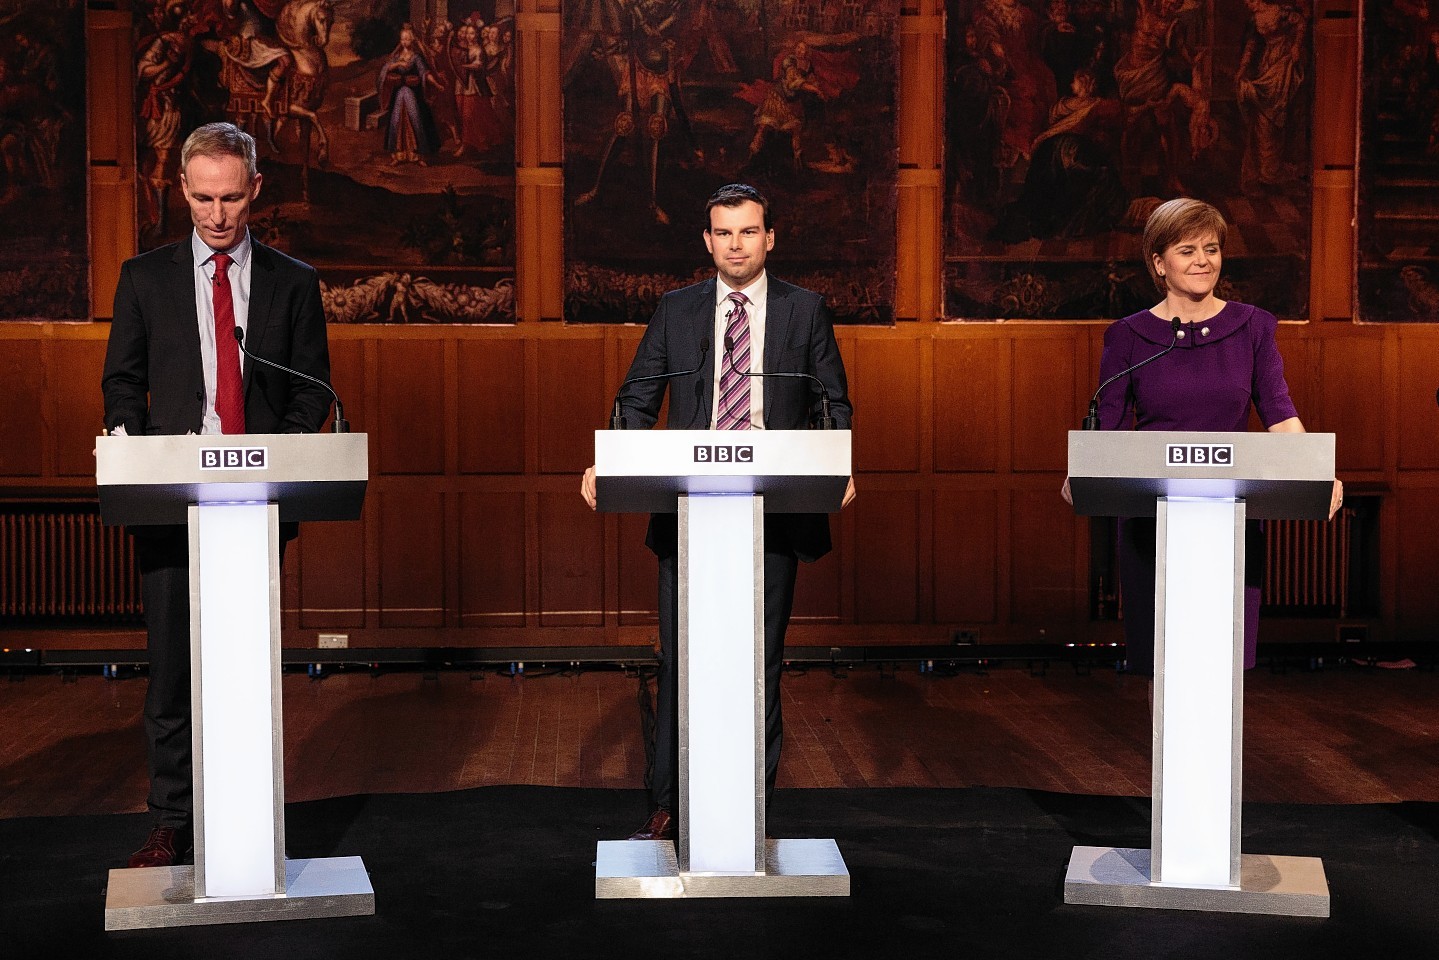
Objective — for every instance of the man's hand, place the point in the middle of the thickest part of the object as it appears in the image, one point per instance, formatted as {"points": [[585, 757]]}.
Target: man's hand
{"points": [[1336, 499], [848, 494], [1064, 492], [587, 487]]}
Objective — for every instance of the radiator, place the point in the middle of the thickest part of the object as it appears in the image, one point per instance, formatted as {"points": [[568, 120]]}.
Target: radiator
{"points": [[58, 563], [1307, 565]]}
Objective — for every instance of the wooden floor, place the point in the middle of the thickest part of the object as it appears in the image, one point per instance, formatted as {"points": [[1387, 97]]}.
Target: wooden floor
{"points": [[1341, 735]]}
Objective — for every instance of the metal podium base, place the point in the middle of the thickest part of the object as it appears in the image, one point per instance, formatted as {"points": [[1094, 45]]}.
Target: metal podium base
{"points": [[647, 869], [164, 896], [1119, 877]]}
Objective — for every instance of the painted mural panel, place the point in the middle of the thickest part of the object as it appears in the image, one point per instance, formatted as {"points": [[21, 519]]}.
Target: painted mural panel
{"points": [[44, 247], [1398, 176], [667, 100], [1069, 121], [386, 139]]}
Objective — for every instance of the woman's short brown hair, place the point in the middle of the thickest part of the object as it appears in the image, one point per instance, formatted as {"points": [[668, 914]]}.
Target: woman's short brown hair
{"points": [[1177, 221]]}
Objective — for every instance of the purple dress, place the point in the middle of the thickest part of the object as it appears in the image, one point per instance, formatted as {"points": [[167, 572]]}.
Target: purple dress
{"points": [[1218, 369]]}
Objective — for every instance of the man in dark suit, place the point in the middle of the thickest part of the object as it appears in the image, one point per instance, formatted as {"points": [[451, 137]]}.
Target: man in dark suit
{"points": [[173, 367], [755, 322]]}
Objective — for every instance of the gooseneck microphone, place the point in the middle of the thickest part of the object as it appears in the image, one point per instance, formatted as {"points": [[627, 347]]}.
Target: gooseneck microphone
{"points": [[341, 425], [617, 415], [826, 421], [1091, 422]]}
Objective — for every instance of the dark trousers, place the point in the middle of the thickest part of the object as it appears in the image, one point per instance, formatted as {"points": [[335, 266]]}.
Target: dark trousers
{"points": [[780, 569], [164, 557]]}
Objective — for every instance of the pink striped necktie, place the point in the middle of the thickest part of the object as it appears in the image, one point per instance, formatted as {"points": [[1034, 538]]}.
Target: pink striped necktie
{"points": [[734, 388]]}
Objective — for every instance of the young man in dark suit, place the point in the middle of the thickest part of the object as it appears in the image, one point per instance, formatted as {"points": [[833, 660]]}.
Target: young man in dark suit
{"points": [[173, 367], [754, 322]]}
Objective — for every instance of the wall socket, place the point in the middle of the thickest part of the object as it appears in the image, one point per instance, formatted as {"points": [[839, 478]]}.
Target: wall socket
{"points": [[334, 641]]}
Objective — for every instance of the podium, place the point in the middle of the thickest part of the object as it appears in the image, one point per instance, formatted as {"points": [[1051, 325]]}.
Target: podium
{"points": [[1200, 487], [721, 483], [233, 492]]}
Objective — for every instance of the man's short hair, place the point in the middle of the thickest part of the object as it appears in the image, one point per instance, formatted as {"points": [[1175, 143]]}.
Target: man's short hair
{"points": [[219, 140], [1177, 221], [734, 194]]}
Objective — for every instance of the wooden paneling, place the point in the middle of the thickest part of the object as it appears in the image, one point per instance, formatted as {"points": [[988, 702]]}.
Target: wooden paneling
{"points": [[491, 413], [411, 411], [79, 411], [886, 557], [572, 402], [966, 556], [638, 572], [331, 574], [819, 588], [1416, 416], [492, 560], [1417, 532], [347, 376], [887, 374], [1043, 374], [1352, 382], [1042, 568], [572, 562], [968, 396], [413, 530], [22, 421]]}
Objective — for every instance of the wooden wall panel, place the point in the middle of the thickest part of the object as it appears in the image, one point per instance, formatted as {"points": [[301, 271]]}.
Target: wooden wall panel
{"points": [[492, 560], [572, 402], [1417, 531], [638, 572], [819, 589], [413, 532], [1352, 386], [1416, 417], [1044, 372], [1042, 569], [22, 414], [330, 565], [887, 557], [885, 381], [966, 556], [411, 420], [968, 396], [572, 562], [492, 417], [73, 376]]}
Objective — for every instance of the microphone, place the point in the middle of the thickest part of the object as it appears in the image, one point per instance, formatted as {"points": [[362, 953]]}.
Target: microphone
{"points": [[1091, 422], [341, 425], [826, 421], [617, 415]]}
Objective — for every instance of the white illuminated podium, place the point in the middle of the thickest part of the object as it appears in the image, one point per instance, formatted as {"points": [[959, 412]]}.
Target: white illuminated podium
{"points": [[1200, 487], [233, 492], [721, 483]]}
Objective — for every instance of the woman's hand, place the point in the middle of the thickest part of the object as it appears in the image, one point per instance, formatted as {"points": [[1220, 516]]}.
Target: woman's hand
{"points": [[1336, 499], [1064, 492]]}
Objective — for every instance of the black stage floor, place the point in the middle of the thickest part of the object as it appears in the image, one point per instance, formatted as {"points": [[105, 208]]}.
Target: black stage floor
{"points": [[507, 872]]}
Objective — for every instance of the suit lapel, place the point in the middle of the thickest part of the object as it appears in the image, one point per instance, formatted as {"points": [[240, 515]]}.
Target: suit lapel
{"points": [[777, 308], [187, 320], [262, 297], [704, 312]]}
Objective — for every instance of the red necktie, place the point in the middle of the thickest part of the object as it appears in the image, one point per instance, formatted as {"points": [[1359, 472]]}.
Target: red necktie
{"points": [[229, 396]]}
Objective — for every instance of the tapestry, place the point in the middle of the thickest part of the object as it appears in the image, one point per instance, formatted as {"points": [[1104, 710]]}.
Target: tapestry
{"points": [[45, 246], [1398, 177], [665, 101], [386, 140], [1069, 121]]}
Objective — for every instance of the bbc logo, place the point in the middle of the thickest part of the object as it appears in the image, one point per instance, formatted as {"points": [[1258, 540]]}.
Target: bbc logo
{"points": [[234, 458], [1201, 455], [724, 454]]}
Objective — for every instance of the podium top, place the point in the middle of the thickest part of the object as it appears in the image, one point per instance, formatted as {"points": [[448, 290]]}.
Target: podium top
{"points": [[1121, 473], [154, 480], [797, 471]]}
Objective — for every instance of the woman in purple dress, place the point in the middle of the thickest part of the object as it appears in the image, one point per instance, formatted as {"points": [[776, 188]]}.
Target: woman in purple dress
{"points": [[1226, 360]]}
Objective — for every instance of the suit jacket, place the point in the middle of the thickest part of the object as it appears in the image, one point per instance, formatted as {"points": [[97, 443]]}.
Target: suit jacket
{"points": [[798, 338], [153, 381]]}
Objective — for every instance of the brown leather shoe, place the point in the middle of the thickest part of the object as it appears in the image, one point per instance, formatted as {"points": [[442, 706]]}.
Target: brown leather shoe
{"points": [[660, 826], [162, 848]]}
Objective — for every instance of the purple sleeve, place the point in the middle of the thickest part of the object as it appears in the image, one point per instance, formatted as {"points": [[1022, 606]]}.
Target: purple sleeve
{"points": [[1270, 390], [1116, 402]]}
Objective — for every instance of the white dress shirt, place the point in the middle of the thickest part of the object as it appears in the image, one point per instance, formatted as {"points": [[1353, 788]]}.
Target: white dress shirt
{"points": [[240, 271], [756, 292]]}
